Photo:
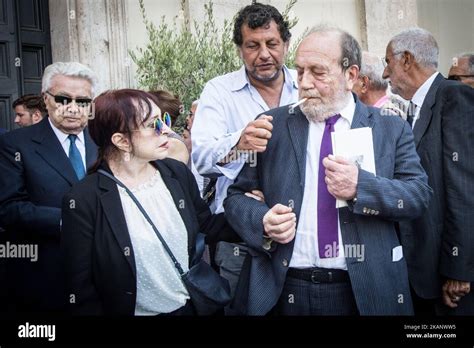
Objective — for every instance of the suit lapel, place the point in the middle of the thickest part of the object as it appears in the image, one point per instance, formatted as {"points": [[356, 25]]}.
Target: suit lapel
{"points": [[51, 150], [298, 127], [113, 211], [426, 113], [91, 149], [362, 116], [178, 195]]}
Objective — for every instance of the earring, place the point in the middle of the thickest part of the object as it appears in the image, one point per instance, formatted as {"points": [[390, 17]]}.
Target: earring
{"points": [[126, 156]]}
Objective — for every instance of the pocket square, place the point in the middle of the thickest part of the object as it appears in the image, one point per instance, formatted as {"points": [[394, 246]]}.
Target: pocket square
{"points": [[397, 253]]}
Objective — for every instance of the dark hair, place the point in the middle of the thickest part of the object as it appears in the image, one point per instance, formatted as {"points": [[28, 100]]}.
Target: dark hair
{"points": [[31, 102], [117, 111], [351, 51], [258, 15], [169, 103]]}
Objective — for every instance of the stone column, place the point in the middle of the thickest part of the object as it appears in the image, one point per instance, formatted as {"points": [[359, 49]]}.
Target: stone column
{"points": [[385, 18], [92, 32]]}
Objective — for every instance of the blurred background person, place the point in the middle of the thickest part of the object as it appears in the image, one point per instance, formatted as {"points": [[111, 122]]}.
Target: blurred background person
{"points": [[463, 69], [133, 146], [372, 88], [171, 104], [29, 109]]}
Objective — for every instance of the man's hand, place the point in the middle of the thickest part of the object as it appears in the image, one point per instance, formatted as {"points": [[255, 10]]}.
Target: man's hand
{"points": [[453, 290], [255, 136], [279, 224], [256, 194], [341, 177]]}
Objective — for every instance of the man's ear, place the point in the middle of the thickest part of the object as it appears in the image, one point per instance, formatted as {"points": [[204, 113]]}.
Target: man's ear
{"points": [[286, 47], [239, 52], [408, 60], [37, 116], [121, 142], [365, 83], [351, 74]]}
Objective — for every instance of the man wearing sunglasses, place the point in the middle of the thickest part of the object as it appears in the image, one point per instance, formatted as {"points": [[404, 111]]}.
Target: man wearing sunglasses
{"points": [[38, 165], [438, 245], [463, 69]]}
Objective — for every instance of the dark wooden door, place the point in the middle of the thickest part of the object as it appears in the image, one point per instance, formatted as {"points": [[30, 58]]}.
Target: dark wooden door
{"points": [[25, 50]]}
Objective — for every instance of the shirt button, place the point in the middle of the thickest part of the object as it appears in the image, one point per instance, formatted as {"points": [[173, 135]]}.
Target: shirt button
{"points": [[285, 263], [364, 210]]}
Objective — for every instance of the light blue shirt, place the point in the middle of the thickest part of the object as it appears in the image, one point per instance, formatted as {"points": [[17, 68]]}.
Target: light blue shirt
{"points": [[227, 104]]}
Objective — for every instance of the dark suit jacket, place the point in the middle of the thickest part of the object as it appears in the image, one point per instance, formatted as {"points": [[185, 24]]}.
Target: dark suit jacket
{"points": [[100, 275], [35, 174], [379, 283], [441, 242]]}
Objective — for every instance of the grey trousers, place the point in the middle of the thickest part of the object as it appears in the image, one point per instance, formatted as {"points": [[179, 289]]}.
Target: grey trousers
{"points": [[230, 258]]}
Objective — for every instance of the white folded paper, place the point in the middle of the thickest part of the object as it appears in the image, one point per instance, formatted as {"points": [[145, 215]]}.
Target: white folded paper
{"points": [[356, 145]]}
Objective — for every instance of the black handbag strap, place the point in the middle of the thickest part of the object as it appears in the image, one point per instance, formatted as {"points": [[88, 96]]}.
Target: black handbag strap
{"points": [[147, 217]]}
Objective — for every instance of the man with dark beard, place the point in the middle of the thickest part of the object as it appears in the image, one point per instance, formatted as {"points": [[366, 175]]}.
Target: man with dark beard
{"points": [[321, 260], [225, 132]]}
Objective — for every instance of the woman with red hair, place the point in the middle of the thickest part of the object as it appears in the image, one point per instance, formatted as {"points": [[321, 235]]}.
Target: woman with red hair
{"points": [[115, 262]]}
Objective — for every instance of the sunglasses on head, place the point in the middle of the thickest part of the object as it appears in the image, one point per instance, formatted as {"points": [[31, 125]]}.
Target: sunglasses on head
{"points": [[158, 123], [65, 100]]}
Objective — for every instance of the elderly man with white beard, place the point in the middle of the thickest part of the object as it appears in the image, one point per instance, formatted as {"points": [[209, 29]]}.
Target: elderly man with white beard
{"points": [[299, 261]]}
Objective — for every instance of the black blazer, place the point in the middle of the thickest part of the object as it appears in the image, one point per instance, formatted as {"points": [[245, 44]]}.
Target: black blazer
{"points": [[35, 173], [440, 244], [97, 250]]}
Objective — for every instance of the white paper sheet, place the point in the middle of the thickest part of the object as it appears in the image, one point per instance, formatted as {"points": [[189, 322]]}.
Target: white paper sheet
{"points": [[356, 145]]}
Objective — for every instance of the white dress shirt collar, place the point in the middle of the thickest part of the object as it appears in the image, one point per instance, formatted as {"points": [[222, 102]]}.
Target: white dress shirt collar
{"points": [[63, 137], [420, 94], [348, 111]]}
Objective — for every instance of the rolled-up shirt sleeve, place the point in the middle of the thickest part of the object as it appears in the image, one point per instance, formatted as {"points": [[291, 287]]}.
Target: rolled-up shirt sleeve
{"points": [[211, 138]]}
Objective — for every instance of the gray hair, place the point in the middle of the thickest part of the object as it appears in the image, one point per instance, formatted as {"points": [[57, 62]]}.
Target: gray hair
{"points": [[72, 69], [420, 43], [470, 61], [350, 48], [373, 68]]}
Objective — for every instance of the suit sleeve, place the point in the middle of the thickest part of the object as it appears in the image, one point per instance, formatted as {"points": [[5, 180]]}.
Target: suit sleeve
{"points": [[214, 226], [245, 214], [458, 168], [77, 239], [405, 196], [16, 209]]}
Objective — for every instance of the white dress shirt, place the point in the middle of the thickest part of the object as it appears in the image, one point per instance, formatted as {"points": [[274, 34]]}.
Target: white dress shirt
{"points": [[227, 104], [65, 142], [159, 286], [420, 95], [306, 252]]}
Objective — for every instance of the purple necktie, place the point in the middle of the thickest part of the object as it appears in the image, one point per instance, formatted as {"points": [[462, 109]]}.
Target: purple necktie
{"points": [[327, 212]]}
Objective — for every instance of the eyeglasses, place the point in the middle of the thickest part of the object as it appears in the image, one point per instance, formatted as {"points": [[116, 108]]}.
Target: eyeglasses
{"points": [[65, 100], [385, 61], [459, 77], [158, 124]]}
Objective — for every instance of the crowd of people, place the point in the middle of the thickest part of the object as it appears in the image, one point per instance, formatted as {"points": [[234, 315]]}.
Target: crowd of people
{"points": [[119, 205]]}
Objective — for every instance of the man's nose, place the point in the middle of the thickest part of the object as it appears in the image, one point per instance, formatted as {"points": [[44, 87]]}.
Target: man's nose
{"points": [[306, 81], [264, 53], [17, 120], [385, 74]]}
